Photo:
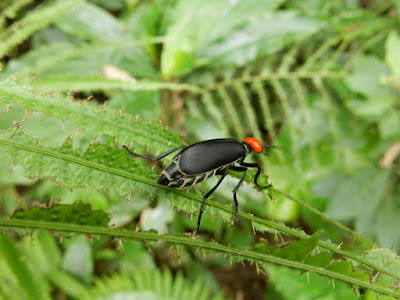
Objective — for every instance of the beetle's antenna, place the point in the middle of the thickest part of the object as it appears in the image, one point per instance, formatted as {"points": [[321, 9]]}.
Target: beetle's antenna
{"points": [[270, 146]]}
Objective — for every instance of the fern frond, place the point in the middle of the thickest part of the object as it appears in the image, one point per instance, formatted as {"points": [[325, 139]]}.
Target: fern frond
{"points": [[33, 22], [11, 10], [33, 286], [153, 283]]}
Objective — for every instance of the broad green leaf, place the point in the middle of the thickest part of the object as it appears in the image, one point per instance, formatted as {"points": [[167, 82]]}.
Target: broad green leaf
{"points": [[11, 114], [84, 60], [392, 51], [135, 257], [156, 218], [293, 285], [389, 125], [232, 33], [361, 275], [372, 108], [359, 194], [263, 36], [366, 78], [295, 251], [50, 131], [78, 259], [384, 257], [319, 260], [342, 267], [387, 222], [102, 26], [147, 103], [299, 250]]}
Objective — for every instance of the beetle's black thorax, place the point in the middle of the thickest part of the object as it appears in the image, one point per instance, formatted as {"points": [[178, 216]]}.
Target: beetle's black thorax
{"points": [[203, 160]]}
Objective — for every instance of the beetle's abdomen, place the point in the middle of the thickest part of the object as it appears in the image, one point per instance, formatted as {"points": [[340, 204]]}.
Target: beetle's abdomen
{"points": [[212, 155], [184, 180], [172, 176]]}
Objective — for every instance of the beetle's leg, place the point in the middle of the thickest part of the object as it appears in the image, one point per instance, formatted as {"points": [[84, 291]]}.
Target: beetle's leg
{"points": [[208, 195], [245, 170], [257, 174], [154, 158]]}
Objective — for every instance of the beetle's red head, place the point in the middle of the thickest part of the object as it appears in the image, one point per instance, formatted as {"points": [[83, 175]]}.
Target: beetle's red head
{"points": [[255, 144]]}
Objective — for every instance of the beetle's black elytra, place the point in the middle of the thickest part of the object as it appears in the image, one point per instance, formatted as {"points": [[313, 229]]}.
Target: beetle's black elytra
{"points": [[200, 161]]}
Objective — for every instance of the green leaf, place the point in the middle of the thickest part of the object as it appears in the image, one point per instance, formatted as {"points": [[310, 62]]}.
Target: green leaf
{"points": [[386, 222], [255, 39], [359, 194], [50, 131], [78, 259], [319, 260], [384, 257], [97, 120], [135, 256], [102, 167], [293, 285], [372, 108], [342, 267], [105, 29], [392, 50], [234, 33], [76, 213], [76, 22], [366, 78], [389, 125], [11, 114], [362, 276], [156, 218], [299, 250]]}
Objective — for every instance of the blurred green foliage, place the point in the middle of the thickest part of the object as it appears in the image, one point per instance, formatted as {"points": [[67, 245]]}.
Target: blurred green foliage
{"points": [[319, 79]]}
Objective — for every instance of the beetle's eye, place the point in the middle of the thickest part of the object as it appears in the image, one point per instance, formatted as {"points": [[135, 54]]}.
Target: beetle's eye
{"points": [[255, 144]]}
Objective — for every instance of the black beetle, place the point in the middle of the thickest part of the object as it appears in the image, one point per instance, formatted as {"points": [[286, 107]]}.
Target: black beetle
{"points": [[202, 160]]}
